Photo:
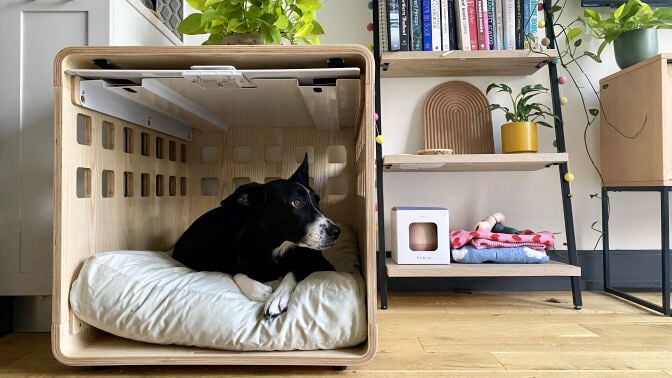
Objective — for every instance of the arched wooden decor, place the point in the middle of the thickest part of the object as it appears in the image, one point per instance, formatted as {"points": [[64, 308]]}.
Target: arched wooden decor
{"points": [[455, 117]]}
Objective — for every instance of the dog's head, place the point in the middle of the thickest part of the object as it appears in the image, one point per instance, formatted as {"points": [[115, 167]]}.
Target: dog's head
{"points": [[288, 210]]}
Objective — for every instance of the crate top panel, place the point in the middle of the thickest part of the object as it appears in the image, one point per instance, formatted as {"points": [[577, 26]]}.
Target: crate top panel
{"points": [[223, 96], [221, 87]]}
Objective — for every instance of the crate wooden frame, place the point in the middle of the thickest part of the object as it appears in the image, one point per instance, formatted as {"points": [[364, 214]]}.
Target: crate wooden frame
{"points": [[165, 193]]}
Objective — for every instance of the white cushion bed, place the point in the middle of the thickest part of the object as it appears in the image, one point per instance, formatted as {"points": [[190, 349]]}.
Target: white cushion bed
{"points": [[148, 296]]}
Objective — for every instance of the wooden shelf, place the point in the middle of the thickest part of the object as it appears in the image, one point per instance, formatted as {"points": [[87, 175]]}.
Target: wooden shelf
{"points": [[552, 268], [464, 63], [472, 162]]}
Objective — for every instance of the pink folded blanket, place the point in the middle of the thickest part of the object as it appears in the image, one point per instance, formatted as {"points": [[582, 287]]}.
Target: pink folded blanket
{"points": [[526, 238]]}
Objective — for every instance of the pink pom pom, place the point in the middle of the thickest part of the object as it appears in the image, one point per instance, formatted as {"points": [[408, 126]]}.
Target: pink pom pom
{"points": [[375, 116], [540, 6], [369, 26], [562, 79]]}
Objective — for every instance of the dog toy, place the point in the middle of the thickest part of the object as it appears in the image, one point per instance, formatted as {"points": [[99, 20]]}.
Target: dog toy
{"points": [[494, 223]]}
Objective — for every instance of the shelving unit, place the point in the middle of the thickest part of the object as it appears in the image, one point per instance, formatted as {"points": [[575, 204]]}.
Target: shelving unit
{"points": [[472, 162], [475, 63], [552, 268], [463, 63]]}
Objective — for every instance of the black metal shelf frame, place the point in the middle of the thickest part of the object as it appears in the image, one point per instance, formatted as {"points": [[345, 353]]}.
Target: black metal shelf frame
{"points": [[664, 247]]}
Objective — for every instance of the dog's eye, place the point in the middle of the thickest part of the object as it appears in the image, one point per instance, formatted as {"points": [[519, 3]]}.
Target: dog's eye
{"points": [[297, 203]]}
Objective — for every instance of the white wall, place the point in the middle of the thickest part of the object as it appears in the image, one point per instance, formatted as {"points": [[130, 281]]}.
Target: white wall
{"points": [[529, 200]]}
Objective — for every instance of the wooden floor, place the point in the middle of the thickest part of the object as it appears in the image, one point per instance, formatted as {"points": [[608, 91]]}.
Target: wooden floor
{"points": [[523, 334]]}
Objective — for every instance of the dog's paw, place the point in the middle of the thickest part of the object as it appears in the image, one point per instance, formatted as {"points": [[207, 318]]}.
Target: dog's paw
{"points": [[252, 289], [276, 304]]}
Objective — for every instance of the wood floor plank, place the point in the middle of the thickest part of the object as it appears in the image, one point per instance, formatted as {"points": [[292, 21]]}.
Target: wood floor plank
{"points": [[628, 329], [397, 361], [523, 344], [571, 360], [521, 334]]}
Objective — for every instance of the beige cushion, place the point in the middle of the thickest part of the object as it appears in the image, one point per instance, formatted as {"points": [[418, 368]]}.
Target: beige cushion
{"points": [[148, 296]]}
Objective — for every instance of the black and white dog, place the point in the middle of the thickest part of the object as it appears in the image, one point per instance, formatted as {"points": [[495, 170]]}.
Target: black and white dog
{"points": [[262, 232]]}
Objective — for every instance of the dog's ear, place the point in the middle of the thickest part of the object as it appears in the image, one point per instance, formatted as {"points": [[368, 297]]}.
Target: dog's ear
{"points": [[301, 174], [245, 195]]}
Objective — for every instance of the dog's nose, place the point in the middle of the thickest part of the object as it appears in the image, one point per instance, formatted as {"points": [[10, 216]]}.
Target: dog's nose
{"points": [[333, 231]]}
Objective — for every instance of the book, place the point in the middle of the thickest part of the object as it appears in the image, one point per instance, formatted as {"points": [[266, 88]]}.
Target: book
{"points": [[473, 27], [436, 25], [463, 39], [394, 43], [520, 23], [534, 17], [492, 33], [499, 24], [382, 25], [404, 26], [452, 25], [509, 21], [482, 24], [427, 43], [445, 26], [416, 25]]}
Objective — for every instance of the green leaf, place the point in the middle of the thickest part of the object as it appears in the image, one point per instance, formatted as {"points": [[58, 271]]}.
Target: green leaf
{"points": [[197, 4], [592, 15], [592, 56], [210, 3], [573, 33], [191, 25], [282, 22]]}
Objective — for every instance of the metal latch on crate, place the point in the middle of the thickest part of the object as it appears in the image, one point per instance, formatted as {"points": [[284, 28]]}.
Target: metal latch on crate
{"points": [[218, 77]]}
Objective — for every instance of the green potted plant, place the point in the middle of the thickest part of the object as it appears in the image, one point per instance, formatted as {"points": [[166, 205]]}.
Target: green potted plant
{"points": [[632, 28], [519, 134], [265, 21]]}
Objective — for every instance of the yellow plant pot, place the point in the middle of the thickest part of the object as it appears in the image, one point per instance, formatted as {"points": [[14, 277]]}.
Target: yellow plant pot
{"points": [[519, 137]]}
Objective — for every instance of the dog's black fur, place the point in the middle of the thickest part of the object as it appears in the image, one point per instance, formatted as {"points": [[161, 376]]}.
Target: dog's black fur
{"points": [[264, 231]]}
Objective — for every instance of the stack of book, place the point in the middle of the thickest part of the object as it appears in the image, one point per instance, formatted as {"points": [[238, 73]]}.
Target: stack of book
{"points": [[443, 25]]}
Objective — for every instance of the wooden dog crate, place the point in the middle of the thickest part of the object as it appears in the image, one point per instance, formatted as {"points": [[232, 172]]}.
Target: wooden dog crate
{"points": [[636, 124], [136, 164]]}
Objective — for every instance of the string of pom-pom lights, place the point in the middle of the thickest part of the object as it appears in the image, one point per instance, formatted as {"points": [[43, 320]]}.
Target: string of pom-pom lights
{"points": [[380, 139]]}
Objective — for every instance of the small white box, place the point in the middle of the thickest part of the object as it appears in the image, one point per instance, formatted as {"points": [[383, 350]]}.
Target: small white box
{"points": [[420, 235]]}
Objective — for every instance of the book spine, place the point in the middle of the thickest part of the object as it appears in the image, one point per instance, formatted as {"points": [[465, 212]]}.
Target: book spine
{"points": [[473, 27], [533, 19], [426, 25], [393, 25], [482, 23], [492, 32], [436, 25], [445, 26], [509, 16], [526, 22], [463, 40], [404, 26], [452, 25], [416, 25], [382, 25], [520, 23], [499, 24]]}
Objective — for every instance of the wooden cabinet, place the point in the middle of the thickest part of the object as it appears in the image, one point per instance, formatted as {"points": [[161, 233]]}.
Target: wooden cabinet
{"points": [[477, 63], [33, 33], [636, 128]]}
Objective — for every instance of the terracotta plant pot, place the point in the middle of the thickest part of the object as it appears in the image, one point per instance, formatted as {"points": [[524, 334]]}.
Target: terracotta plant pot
{"points": [[519, 137]]}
